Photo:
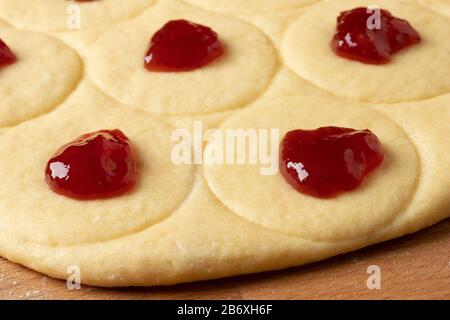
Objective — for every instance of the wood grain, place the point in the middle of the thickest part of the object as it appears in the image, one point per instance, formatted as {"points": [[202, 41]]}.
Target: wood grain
{"points": [[413, 267]]}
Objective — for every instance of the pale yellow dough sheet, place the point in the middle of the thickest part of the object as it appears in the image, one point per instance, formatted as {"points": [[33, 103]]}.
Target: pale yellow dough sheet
{"points": [[60, 15], [43, 62], [233, 81], [3, 23], [49, 218], [440, 6], [307, 50], [272, 203], [184, 223], [250, 6]]}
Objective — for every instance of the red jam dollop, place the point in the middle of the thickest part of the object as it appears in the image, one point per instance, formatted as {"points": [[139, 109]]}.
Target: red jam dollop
{"points": [[325, 162], [182, 45], [7, 57], [96, 165], [359, 37]]}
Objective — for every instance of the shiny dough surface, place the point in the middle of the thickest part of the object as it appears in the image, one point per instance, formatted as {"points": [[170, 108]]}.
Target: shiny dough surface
{"points": [[192, 222]]}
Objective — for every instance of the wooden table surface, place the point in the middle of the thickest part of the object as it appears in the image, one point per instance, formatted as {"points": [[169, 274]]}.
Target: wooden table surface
{"points": [[413, 267]]}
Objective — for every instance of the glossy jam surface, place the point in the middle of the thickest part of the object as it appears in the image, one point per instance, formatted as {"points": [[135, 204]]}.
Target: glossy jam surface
{"points": [[7, 57], [96, 165], [372, 37], [330, 160], [182, 46]]}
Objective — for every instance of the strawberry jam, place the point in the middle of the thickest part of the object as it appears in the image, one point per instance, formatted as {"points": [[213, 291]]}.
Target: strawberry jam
{"points": [[325, 162], [182, 46], [372, 36], [94, 166], [7, 57]]}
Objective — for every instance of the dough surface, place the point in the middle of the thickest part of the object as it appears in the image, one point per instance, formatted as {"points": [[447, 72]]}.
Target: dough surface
{"points": [[58, 15], [186, 223], [43, 63], [228, 83], [307, 50], [440, 6], [239, 6], [32, 212], [271, 202]]}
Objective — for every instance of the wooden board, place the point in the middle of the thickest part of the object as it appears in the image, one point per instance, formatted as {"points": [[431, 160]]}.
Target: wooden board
{"points": [[413, 267]]}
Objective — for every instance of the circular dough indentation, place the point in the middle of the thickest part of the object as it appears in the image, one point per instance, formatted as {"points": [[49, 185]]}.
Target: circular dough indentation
{"points": [[415, 73], [30, 210], [58, 15], [271, 202], [239, 6], [116, 64], [46, 71]]}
